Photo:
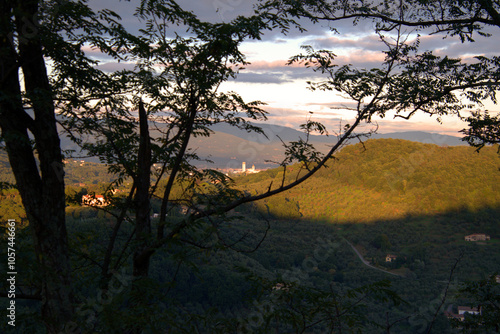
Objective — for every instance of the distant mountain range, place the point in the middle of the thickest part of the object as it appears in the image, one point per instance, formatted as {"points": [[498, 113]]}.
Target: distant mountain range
{"points": [[228, 147], [288, 134], [424, 137]]}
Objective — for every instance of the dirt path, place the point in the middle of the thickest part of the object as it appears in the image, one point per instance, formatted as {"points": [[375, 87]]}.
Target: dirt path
{"points": [[365, 262]]}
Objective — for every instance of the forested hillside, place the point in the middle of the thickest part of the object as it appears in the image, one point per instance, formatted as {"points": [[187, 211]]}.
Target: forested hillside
{"points": [[414, 201], [80, 178], [387, 179]]}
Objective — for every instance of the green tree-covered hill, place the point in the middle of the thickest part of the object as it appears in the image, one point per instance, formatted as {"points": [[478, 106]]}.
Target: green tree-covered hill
{"points": [[414, 200], [388, 179], [380, 179]]}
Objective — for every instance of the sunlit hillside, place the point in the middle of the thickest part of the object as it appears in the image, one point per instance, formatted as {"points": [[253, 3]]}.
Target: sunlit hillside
{"points": [[386, 179]]}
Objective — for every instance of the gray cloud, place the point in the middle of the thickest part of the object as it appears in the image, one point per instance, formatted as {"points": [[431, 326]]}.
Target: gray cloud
{"points": [[226, 10], [112, 67], [369, 42], [335, 105], [267, 77], [206, 10], [275, 72]]}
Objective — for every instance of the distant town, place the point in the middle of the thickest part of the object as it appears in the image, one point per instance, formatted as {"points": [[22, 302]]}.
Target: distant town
{"points": [[243, 170]]}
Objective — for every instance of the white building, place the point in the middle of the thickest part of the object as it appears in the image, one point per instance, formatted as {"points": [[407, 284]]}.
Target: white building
{"points": [[467, 309]]}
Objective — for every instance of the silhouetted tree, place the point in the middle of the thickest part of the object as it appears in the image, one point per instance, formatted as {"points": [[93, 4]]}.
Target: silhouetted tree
{"points": [[464, 19]]}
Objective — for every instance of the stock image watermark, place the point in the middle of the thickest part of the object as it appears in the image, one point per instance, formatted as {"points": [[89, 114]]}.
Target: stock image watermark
{"points": [[426, 315], [223, 7], [90, 309], [11, 272], [255, 319], [409, 165]]}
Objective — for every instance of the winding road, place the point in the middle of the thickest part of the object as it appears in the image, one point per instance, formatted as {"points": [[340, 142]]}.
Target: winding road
{"points": [[368, 263]]}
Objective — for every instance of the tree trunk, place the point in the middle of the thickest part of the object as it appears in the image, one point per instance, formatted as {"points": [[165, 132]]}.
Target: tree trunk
{"points": [[142, 202], [42, 191]]}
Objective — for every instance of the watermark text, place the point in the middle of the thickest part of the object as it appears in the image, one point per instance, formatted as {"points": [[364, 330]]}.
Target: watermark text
{"points": [[11, 271]]}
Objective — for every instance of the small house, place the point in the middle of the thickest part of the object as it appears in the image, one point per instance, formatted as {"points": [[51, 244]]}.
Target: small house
{"points": [[390, 258], [462, 311], [282, 286], [477, 237], [467, 309], [97, 200]]}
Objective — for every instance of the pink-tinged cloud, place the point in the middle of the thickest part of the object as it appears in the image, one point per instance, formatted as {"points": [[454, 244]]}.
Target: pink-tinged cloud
{"points": [[91, 50], [277, 72], [261, 65], [335, 119], [362, 59], [449, 128], [359, 57]]}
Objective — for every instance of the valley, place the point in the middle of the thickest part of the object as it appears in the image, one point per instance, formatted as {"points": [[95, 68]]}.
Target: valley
{"points": [[412, 203]]}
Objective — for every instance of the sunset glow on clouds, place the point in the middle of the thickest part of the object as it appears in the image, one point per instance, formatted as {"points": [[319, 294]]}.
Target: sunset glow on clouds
{"points": [[284, 87]]}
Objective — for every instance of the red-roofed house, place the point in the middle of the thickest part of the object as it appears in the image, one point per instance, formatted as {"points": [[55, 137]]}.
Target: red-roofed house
{"points": [[97, 200]]}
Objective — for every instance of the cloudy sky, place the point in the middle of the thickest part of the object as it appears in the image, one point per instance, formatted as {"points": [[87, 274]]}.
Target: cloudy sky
{"points": [[284, 88]]}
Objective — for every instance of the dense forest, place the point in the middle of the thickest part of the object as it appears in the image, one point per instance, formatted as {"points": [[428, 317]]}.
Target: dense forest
{"points": [[414, 201], [391, 237], [387, 179]]}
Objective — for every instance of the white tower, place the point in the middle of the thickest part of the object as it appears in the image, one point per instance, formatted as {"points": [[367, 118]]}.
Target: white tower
{"points": [[243, 167]]}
